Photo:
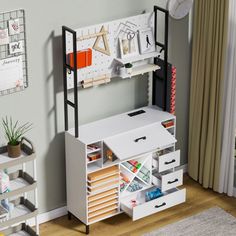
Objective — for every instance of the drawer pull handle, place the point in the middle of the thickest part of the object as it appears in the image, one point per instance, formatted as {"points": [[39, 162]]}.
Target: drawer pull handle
{"points": [[171, 182], [158, 206], [141, 138], [170, 162]]}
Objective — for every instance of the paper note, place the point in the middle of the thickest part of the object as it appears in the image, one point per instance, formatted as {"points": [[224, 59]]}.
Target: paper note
{"points": [[14, 26], [11, 73], [16, 47], [4, 37]]}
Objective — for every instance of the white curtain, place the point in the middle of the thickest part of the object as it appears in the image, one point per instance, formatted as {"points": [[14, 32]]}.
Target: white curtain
{"points": [[226, 183]]}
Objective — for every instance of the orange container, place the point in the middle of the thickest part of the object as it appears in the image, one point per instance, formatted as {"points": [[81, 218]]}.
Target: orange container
{"points": [[84, 58]]}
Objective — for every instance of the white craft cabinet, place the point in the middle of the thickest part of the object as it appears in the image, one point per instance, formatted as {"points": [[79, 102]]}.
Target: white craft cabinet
{"points": [[96, 189]]}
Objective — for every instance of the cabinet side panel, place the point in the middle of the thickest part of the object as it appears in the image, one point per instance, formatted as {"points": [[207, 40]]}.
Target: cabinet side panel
{"points": [[76, 177]]}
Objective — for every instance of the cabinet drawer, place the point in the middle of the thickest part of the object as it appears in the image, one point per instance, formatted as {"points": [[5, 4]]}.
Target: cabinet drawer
{"points": [[139, 141], [168, 180], [172, 198], [167, 161]]}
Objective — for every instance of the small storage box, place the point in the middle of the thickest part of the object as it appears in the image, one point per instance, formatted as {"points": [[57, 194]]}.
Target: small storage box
{"points": [[84, 58]]}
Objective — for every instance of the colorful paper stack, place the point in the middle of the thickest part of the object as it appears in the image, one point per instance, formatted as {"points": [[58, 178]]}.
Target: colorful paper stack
{"points": [[4, 182], [132, 165], [173, 91]]}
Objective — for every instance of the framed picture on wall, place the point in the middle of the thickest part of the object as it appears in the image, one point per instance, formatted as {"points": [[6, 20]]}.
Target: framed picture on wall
{"points": [[129, 45], [146, 41]]}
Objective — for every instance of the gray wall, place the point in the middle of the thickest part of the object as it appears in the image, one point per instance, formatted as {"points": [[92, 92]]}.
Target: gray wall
{"points": [[42, 102]]}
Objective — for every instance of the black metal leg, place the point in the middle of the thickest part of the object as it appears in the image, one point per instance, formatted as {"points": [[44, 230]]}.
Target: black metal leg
{"points": [[87, 229], [69, 215]]}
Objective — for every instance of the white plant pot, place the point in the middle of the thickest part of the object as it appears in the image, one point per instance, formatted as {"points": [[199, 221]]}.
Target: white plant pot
{"points": [[129, 70], [122, 72]]}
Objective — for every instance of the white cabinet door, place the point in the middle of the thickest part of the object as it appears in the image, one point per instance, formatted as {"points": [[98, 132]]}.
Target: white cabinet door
{"points": [[139, 141]]}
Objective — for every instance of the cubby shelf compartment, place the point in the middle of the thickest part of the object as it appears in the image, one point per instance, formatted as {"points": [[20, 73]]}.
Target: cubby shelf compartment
{"points": [[23, 210], [20, 182], [145, 162], [139, 70], [21, 230], [137, 58]]}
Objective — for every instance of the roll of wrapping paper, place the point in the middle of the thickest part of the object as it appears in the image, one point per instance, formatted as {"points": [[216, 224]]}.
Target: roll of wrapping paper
{"points": [[130, 167], [136, 164]]}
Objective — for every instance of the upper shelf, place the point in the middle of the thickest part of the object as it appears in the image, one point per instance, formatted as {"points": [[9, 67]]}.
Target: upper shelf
{"points": [[26, 155], [137, 58], [140, 70]]}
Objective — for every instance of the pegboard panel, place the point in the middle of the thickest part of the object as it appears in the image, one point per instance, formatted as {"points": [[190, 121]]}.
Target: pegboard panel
{"points": [[102, 63], [14, 50]]}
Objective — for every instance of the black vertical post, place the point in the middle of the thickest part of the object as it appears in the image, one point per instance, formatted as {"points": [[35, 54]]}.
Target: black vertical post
{"points": [[166, 57], [155, 23], [65, 76], [164, 47], [75, 76], [75, 86]]}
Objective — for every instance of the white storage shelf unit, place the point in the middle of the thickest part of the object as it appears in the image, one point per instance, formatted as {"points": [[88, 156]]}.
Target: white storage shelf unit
{"points": [[20, 184], [108, 186]]}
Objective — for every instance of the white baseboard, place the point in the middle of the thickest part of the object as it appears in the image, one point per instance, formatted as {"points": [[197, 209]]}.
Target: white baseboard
{"points": [[47, 216], [51, 215], [234, 192]]}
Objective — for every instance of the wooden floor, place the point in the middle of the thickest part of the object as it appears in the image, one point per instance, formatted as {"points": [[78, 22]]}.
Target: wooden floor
{"points": [[198, 199]]}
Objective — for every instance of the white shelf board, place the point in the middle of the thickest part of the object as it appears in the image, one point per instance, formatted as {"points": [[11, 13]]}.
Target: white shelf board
{"points": [[89, 162], [139, 70], [102, 190], [20, 213], [111, 126], [18, 186], [92, 151], [6, 161], [137, 58]]}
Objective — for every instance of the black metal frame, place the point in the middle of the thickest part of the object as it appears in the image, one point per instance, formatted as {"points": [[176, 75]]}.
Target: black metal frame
{"points": [[164, 47], [67, 67]]}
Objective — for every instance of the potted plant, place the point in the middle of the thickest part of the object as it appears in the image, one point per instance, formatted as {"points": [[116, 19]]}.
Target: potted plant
{"points": [[14, 133], [128, 67]]}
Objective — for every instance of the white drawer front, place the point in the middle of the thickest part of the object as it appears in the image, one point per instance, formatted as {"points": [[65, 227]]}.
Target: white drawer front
{"points": [[157, 205], [139, 141], [169, 161], [171, 180]]}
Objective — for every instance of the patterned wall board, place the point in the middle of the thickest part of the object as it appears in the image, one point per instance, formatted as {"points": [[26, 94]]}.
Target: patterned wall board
{"points": [[102, 63], [15, 49]]}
